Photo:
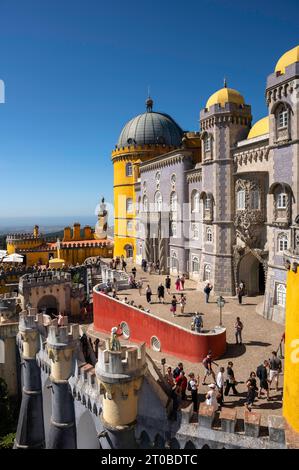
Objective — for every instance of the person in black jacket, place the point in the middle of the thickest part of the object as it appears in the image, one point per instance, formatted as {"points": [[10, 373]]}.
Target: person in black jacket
{"points": [[230, 380], [161, 293], [262, 374]]}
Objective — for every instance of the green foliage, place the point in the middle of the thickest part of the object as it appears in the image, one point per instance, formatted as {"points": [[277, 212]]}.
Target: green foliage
{"points": [[8, 414], [7, 442]]}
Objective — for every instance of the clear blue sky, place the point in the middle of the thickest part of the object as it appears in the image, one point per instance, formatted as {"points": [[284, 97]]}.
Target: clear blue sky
{"points": [[76, 70]]}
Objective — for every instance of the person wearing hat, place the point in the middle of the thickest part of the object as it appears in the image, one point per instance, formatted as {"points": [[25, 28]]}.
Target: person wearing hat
{"points": [[192, 387], [211, 396]]}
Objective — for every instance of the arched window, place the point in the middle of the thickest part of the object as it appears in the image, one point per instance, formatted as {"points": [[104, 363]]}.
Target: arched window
{"points": [[209, 235], [195, 231], [195, 264], [254, 199], [282, 200], [129, 225], [282, 118], [129, 204], [281, 295], [129, 169], [158, 202], [173, 229], [129, 251], [145, 204], [282, 240], [241, 199], [207, 272], [195, 201], [173, 202], [207, 143]]}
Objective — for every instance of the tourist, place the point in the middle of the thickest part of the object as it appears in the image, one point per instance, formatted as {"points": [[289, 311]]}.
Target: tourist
{"points": [[251, 391], [211, 397], [168, 284], [192, 387], [114, 294], [134, 270], [173, 305], [207, 291], [183, 279], [207, 363], [158, 266], [178, 370], [139, 285], [230, 380], [125, 300], [262, 374], [61, 320], [161, 293], [197, 322], [183, 301], [181, 381], [144, 265], [240, 291], [238, 330], [178, 283], [275, 369], [220, 385], [148, 294], [169, 377], [124, 265]]}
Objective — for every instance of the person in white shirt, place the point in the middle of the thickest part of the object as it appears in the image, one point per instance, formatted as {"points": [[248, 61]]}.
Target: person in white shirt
{"points": [[192, 387], [220, 383], [211, 397]]}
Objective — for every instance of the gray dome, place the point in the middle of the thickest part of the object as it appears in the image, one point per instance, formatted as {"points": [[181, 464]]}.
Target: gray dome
{"points": [[151, 128]]}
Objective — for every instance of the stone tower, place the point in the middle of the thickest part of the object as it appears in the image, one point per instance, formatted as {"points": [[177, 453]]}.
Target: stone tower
{"points": [[102, 223], [61, 346], [30, 431], [224, 121], [120, 374]]}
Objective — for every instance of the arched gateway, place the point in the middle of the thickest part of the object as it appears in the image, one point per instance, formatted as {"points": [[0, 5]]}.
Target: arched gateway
{"points": [[251, 272]]}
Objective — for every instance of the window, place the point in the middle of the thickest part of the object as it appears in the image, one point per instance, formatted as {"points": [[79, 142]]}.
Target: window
{"points": [[129, 169], [129, 251], [158, 202], [195, 201], [207, 144], [255, 199], [129, 225], [209, 235], [281, 295], [208, 202], [145, 204], [282, 242], [173, 231], [174, 261], [283, 119], [195, 231], [129, 205], [241, 199], [195, 264], [173, 202], [282, 201], [207, 272]]}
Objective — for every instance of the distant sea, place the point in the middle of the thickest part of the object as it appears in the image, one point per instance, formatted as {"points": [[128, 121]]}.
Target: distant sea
{"points": [[46, 224]]}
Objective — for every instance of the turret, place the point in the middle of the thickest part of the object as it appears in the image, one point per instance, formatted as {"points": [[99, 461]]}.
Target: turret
{"points": [[67, 234], [30, 431], [87, 232], [77, 231], [61, 347], [36, 231], [102, 223], [120, 374]]}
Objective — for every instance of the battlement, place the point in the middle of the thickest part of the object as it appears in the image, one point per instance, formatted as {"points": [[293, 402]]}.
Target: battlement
{"points": [[44, 279], [21, 237], [124, 365], [28, 321], [63, 336]]}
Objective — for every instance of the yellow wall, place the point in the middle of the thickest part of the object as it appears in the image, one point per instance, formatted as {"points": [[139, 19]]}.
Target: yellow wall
{"points": [[291, 366]]}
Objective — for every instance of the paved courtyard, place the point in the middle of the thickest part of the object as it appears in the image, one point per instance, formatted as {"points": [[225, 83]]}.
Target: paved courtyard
{"points": [[260, 336]]}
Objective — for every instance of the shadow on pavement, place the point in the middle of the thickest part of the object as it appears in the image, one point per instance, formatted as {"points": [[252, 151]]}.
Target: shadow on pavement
{"points": [[234, 350]]}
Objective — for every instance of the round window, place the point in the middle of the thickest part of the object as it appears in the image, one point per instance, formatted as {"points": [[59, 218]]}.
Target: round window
{"points": [[155, 343], [125, 329]]}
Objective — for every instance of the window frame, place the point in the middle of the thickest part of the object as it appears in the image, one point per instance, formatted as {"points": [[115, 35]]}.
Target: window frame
{"points": [[129, 205], [238, 199], [129, 173], [280, 293]]}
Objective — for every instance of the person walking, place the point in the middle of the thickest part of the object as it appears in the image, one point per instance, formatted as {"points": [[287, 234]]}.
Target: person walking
{"points": [[198, 323], [211, 397], [183, 281], [181, 381], [275, 369], [207, 363], [238, 330], [192, 387], [183, 301], [178, 370], [158, 266], [178, 283], [160, 292], [148, 294], [230, 380], [168, 284], [240, 291], [169, 377], [144, 265], [220, 385], [134, 271], [139, 285], [262, 374], [251, 391], [173, 305], [207, 291], [124, 265]]}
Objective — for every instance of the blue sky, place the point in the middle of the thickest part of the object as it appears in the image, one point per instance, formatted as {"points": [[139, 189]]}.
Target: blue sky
{"points": [[76, 70]]}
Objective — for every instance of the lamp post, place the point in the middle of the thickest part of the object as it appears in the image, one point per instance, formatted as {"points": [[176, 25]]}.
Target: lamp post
{"points": [[220, 303]]}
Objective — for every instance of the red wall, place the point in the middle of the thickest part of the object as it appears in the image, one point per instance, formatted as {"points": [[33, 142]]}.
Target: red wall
{"points": [[174, 339]]}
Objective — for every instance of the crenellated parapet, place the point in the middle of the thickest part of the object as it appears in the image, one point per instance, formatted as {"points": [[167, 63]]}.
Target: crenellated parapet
{"points": [[28, 336], [44, 279], [62, 343]]}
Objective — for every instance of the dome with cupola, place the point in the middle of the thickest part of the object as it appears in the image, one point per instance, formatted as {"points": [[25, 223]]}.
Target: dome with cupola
{"points": [[225, 95]]}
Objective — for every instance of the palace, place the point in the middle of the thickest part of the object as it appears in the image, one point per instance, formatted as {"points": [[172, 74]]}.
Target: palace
{"points": [[220, 203]]}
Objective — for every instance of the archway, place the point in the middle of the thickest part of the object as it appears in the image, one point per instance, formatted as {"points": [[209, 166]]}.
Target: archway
{"points": [[48, 304], [251, 272]]}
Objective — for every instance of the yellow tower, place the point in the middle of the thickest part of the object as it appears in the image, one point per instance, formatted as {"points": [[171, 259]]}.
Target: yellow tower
{"points": [[146, 136]]}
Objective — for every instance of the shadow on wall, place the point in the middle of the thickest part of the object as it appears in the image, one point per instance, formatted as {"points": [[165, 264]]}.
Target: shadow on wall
{"points": [[86, 432]]}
